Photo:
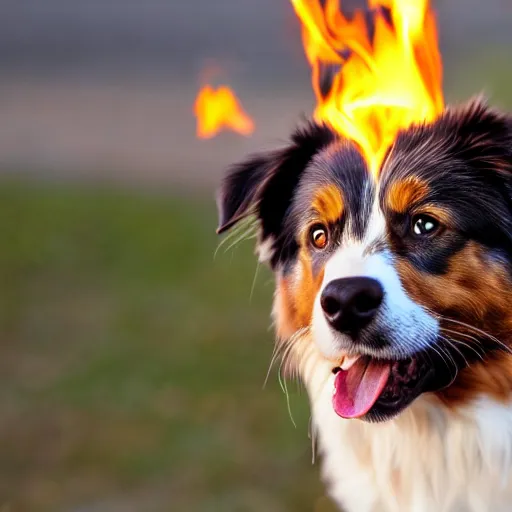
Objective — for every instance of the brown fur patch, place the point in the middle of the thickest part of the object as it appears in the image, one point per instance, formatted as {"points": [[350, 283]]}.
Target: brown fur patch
{"points": [[328, 203], [477, 292], [295, 297], [492, 377], [401, 195], [293, 310]]}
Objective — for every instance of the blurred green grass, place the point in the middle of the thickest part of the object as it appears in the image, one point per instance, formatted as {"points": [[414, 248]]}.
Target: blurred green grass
{"points": [[133, 361]]}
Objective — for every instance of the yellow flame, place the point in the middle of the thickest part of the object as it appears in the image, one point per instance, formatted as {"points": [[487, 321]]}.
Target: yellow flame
{"points": [[220, 109], [377, 86]]}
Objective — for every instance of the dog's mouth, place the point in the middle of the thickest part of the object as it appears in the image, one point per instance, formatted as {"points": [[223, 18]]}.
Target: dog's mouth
{"points": [[377, 389]]}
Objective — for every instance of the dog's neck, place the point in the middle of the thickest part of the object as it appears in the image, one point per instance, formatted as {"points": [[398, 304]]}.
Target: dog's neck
{"points": [[431, 457]]}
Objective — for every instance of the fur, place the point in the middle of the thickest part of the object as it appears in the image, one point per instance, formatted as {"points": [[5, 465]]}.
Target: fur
{"points": [[445, 305]]}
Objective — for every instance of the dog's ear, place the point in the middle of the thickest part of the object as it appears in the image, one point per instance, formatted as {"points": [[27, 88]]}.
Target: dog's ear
{"points": [[263, 185], [483, 139], [483, 136]]}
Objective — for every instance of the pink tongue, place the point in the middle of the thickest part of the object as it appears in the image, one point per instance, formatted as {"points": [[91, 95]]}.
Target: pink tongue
{"points": [[358, 388]]}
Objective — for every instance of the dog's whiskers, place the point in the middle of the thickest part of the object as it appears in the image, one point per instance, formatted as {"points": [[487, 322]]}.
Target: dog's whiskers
{"points": [[441, 353], [275, 355], [471, 328], [247, 230], [476, 330], [282, 382], [254, 281], [451, 343], [312, 436], [282, 348], [480, 354], [288, 366]]}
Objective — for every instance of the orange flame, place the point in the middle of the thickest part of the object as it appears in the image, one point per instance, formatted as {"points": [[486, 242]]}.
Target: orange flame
{"points": [[219, 109], [368, 88]]}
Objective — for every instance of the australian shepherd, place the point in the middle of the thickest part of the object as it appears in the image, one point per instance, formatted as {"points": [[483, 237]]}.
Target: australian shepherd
{"points": [[393, 304]]}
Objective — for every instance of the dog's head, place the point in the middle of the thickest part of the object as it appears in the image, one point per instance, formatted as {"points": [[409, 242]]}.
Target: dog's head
{"points": [[400, 282]]}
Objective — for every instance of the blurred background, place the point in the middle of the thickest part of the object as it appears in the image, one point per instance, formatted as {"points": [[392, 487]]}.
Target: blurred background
{"points": [[132, 361]]}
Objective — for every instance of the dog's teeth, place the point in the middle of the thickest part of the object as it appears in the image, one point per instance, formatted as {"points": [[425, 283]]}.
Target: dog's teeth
{"points": [[348, 361]]}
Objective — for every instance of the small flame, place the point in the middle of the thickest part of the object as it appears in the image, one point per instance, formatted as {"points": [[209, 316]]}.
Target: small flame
{"points": [[376, 73], [219, 109]]}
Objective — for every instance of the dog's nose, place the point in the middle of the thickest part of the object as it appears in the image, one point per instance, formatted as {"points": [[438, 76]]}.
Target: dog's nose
{"points": [[351, 303]]}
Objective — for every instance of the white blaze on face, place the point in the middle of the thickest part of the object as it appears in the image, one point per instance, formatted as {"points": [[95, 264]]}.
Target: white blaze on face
{"points": [[406, 325]]}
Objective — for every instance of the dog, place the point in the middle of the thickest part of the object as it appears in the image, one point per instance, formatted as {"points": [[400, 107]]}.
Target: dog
{"points": [[393, 304]]}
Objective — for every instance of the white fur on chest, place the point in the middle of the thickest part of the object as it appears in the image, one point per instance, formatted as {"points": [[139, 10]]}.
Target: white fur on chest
{"points": [[427, 459]]}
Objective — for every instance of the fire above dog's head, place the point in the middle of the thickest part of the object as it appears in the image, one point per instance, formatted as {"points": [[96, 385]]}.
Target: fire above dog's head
{"points": [[398, 280], [387, 220]]}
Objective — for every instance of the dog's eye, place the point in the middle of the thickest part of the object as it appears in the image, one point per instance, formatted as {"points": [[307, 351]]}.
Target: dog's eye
{"points": [[318, 236], [424, 225]]}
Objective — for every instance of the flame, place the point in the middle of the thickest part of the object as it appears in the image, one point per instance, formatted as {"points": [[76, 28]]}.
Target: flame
{"points": [[368, 88], [219, 109]]}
